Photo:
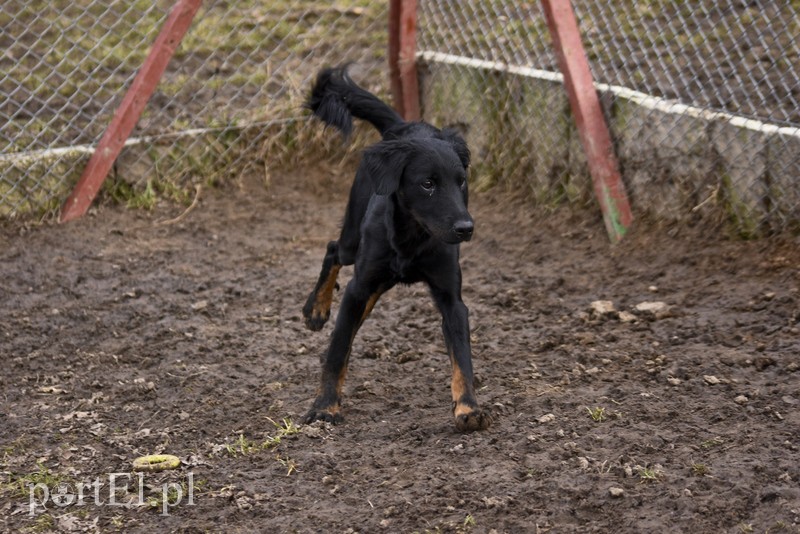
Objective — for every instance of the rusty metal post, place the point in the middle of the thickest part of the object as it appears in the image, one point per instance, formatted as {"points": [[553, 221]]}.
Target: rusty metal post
{"points": [[592, 128], [402, 57], [129, 111]]}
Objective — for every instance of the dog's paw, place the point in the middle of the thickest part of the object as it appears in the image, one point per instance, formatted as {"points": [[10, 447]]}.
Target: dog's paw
{"points": [[315, 321], [328, 416], [473, 420], [315, 318]]}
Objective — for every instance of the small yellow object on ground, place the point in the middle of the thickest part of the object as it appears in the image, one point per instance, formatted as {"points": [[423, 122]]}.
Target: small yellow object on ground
{"points": [[156, 462]]}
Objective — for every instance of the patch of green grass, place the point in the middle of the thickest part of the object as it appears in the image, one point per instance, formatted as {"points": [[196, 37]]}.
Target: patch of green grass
{"points": [[288, 463], [20, 485], [713, 442], [15, 447], [779, 526], [125, 193], [648, 474], [469, 522], [700, 470], [597, 414], [174, 496], [38, 187], [42, 523], [243, 446], [146, 199], [286, 427]]}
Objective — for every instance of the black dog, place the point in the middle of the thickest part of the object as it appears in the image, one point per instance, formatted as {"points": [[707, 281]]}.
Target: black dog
{"points": [[405, 218]]}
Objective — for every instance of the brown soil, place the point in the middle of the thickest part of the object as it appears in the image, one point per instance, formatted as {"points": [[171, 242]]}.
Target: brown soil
{"points": [[121, 337]]}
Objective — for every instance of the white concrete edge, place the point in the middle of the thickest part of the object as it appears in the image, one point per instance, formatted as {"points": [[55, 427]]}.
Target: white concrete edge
{"points": [[25, 159], [48, 154], [647, 101]]}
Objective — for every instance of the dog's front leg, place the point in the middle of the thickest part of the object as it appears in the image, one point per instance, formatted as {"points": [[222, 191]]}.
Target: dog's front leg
{"points": [[455, 326], [357, 303]]}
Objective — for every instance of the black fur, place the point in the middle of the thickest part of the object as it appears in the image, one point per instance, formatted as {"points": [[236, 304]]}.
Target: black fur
{"points": [[336, 99], [405, 218]]}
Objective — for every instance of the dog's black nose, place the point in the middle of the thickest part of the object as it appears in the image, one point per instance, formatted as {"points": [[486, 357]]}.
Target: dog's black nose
{"points": [[463, 229]]}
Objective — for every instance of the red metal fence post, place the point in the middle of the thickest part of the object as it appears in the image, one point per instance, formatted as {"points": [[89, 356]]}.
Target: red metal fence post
{"points": [[595, 138], [394, 55], [129, 111], [402, 57]]}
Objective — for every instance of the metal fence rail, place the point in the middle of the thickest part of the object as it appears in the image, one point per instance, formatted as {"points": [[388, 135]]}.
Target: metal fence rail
{"points": [[702, 98]]}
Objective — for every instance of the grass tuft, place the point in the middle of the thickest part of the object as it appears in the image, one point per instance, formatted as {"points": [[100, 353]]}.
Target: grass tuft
{"points": [[597, 414]]}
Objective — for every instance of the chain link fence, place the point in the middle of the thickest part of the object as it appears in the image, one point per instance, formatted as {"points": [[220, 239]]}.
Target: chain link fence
{"points": [[701, 97], [231, 97]]}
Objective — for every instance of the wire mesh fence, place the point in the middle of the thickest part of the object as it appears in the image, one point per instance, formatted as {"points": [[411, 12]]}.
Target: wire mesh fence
{"points": [[236, 82], [701, 97]]}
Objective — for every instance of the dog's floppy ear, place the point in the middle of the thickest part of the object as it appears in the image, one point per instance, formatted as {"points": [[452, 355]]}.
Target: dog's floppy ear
{"points": [[459, 145], [385, 162]]}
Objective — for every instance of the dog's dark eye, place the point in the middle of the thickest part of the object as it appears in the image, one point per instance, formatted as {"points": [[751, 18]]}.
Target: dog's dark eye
{"points": [[428, 185]]}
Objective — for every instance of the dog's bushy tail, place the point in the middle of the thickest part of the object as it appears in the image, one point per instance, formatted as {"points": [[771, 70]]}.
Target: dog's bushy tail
{"points": [[336, 99]]}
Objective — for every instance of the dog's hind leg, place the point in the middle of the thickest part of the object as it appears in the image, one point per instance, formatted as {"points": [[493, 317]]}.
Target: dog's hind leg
{"points": [[318, 305], [357, 303]]}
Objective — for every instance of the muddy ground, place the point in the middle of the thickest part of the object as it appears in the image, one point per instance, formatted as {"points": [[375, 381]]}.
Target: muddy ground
{"points": [[121, 337]]}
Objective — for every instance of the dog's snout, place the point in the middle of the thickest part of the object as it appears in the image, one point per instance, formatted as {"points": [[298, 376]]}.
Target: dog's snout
{"points": [[463, 229]]}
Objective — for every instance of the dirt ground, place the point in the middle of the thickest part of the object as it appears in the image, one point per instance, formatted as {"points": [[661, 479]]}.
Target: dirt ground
{"points": [[122, 337]]}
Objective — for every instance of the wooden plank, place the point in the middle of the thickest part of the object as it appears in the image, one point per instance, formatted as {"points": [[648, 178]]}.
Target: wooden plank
{"points": [[592, 128], [129, 111]]}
